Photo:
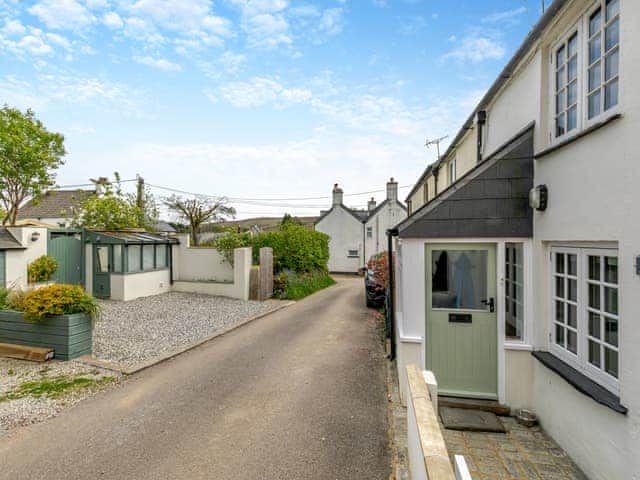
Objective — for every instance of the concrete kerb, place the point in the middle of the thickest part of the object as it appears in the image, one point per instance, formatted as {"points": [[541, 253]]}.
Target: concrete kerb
{"points": [[94, 362]]}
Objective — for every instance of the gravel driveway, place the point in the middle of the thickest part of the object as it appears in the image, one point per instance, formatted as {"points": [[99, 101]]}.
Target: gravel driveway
{"points": [[136, 331]]}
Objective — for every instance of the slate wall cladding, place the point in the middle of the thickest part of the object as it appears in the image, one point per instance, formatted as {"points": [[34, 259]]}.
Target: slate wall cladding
{"points": [[492, 200]]}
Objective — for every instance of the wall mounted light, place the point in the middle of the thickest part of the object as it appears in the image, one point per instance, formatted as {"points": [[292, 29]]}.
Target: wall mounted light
{"points": [[538, 197], [638, 265], [35, 236]]}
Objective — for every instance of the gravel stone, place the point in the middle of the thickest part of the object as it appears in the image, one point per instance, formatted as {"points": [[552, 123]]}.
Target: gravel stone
{"points": [[28, 410], [129, 333]]}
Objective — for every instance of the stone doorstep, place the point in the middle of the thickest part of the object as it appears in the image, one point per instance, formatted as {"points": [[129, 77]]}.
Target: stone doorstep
{"points": [[473, 404]]}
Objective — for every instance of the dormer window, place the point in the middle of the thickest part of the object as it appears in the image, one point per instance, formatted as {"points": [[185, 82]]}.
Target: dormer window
{"points": [[451, 171]]}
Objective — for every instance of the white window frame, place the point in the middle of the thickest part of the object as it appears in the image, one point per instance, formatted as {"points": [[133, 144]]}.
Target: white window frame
{"points": [[508, 291], [564, 42], [369, 232], [602, 4], [583, 120], [451, 171], [351, 254], [580, 360]]}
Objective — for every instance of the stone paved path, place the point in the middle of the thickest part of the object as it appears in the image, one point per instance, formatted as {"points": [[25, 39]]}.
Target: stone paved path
{"points": [[520, 454]]}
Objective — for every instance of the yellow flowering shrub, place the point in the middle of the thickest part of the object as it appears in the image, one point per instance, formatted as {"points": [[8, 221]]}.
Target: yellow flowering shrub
{"points": [[58, 299]]}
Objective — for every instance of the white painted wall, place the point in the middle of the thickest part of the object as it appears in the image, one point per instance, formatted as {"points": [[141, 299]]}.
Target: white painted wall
{"points": [[387, 217], [135, 285], [239, 288], [199, 263], [17, 261], [346, 233]]}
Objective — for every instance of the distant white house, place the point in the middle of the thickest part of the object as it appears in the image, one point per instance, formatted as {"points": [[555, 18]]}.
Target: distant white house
{"points": [[357, 235]]}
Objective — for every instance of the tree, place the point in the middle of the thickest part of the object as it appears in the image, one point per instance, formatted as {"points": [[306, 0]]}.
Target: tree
{"points": [[198, 210], [29, 156], [288, 220], [112, 209]]}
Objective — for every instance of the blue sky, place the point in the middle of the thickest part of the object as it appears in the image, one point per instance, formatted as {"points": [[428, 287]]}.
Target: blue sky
{"points": [[266, 99]]}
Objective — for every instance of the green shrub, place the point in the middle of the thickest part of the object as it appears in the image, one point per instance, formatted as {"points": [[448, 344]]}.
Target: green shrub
{"points": [[303, 285], [42, 269], [58, 300], [4, 299], [295, 248], [227, 243]]}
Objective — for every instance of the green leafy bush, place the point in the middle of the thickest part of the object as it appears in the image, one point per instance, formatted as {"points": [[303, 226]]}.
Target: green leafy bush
{"points": [[42, 269], [298, 286], [4, 299], [295, 248], [228, 242], [58, 300]]}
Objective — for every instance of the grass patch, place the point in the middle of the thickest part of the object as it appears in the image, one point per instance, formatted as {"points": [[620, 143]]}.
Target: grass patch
{"points": [[300, 286], [54, 387]]}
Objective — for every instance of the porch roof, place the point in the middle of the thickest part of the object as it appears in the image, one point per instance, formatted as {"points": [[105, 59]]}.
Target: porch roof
{"points": [[491, 200], [137, 237], [8, 241]]}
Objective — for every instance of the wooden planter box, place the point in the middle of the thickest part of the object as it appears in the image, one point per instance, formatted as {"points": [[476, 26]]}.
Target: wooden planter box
{"points": [[70, 336]]}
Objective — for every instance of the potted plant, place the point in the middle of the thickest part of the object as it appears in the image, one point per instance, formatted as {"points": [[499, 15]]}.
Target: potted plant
{"points": [[57, 316], [41, 270]]}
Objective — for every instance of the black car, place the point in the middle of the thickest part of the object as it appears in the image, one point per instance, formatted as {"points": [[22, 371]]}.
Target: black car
{"points": [[374, 292]]}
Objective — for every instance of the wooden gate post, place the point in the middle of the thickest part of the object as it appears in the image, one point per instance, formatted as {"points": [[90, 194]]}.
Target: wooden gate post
{"points": [[266, 273]]}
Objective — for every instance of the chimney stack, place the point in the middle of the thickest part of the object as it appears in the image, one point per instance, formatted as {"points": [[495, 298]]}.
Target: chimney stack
{"points": [[337, 195], [392, 190], [371, 205]]}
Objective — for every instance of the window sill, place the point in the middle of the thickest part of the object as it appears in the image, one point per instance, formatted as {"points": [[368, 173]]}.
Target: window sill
{"points": [[580, 381], [515, 345], [578, 136]]}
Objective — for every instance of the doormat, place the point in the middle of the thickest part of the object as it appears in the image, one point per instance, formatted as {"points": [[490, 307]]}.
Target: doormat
{"points": [[470, 420]]}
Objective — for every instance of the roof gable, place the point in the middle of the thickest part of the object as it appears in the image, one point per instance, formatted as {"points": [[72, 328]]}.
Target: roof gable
{"points": [[54, 204], [8, 241]]}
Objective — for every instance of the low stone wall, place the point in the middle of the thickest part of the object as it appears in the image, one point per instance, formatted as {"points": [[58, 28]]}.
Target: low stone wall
{"points": [[427, 451]]}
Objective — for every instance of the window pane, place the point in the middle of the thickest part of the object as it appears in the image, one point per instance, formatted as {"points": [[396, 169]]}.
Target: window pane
{"points": [[611, 300], [611, 65], [594, 353], [572, 264], [594, 325], [560, 57], [611, 331], [572, 69], [133, 260], [560, 125], [572, 341], [613, 8], [559, 311], [559, 335], [612, 35], [572, 289], [161, 256], [147, 257], [572, 316], [594, 267], [611, 95], [611, 270], [572, 118], [117, 258], [560, 287], [459, 279], [102, 259], [594, 104], [595, 49], [595, 76], [560, 79], [572, 93], [611, 362], [559, 262], [561, 103], [594, 22], [573, 45], [594, 296]]}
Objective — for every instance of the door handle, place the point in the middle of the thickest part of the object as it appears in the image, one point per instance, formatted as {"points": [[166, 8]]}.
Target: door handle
{"points": [[491, 303]]}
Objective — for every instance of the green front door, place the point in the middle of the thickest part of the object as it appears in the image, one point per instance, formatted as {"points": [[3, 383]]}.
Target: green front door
{"points": [[101, 275], [67, 250], [461, 319]]}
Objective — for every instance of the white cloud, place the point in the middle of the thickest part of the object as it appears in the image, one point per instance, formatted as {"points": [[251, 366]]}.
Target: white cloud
{"points": [[260, 91], [62, 14], [112, 20], [509, 16], [267, 30], [13, 28], [412, 24], [255, 7], [159, 63], [476, 49], [331, 22], [232, 62]]}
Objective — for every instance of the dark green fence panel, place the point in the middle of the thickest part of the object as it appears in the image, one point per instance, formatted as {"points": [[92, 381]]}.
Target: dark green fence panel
{"points": [[67, 250]]}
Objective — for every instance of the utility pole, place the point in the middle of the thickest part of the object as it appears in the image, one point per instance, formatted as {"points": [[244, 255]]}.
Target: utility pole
{"points": [[543, 7]]}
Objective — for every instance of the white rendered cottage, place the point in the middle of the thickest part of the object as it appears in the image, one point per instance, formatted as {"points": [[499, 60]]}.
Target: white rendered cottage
{"points": [[357, 235], [534, 302]]}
